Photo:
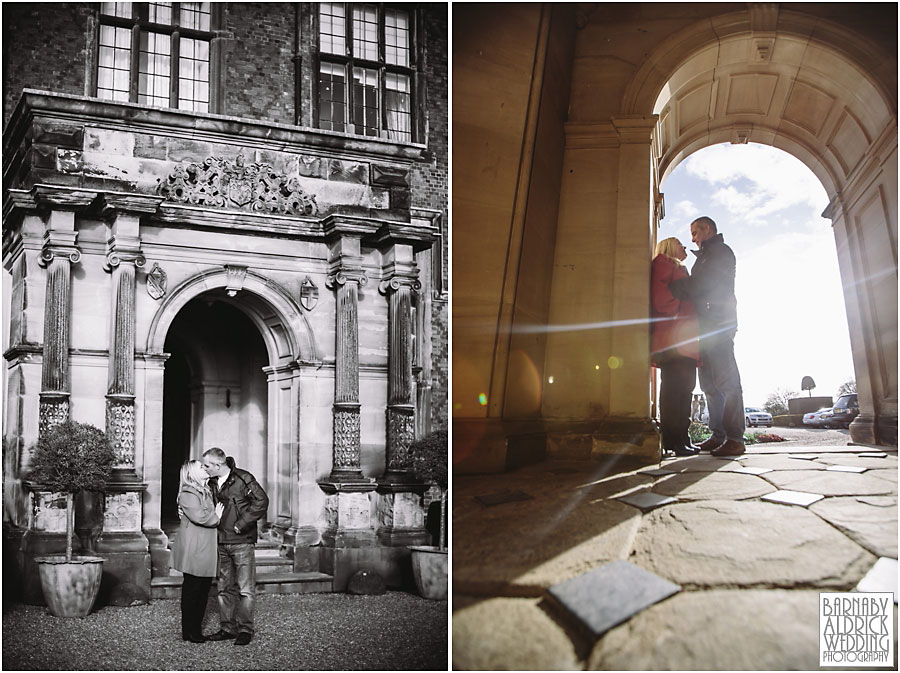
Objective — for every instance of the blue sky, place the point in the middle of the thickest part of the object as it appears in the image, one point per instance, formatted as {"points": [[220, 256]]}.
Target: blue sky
{"points": [[791, 317]]}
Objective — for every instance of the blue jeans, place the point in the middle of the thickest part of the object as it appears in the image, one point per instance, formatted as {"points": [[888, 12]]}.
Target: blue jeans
{"points": [[721, 383], [237, 587]]}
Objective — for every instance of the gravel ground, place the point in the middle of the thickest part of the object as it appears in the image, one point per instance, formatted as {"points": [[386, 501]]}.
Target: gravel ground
{"points": [[396, 631], [808, 436]]}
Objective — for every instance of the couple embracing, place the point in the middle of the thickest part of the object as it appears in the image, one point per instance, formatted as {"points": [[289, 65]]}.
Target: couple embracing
{"points": [[219, 506]]}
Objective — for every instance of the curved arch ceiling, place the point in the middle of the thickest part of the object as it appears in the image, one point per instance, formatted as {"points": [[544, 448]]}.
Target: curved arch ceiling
{"points": [[780, 90]]}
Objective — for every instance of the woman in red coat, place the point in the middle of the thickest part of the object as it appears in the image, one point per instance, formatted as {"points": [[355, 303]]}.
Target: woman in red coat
{"points": [[674, 347]]}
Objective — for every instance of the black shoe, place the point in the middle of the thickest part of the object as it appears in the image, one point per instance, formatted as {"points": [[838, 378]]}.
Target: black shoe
{"points": [[195, 639], [221, 635], [243, 639], [683, 451]]}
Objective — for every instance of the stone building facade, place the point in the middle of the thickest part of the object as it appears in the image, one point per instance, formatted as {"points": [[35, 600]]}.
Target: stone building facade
{"points": [[226, 225], [558, 209]]}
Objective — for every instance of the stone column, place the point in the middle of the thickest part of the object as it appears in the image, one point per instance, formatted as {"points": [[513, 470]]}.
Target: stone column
{"points": [[123, 258], [349, 537], [400, 280], [401, 517], [58, 254], [123, 540]]}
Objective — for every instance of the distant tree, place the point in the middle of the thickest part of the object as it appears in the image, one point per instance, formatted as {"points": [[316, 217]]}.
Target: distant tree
{"points": [[848, 386], [777, 402]]}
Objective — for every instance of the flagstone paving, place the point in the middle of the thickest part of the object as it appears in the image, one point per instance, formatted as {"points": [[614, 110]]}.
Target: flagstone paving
{"points": [[750, 571]]}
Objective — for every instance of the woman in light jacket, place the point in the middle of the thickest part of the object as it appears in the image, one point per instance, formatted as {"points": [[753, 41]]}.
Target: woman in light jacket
{"points": [[194, 551], [674, 347]]}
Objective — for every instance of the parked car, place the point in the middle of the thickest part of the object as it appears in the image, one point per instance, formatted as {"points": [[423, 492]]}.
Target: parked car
{"points": [[845, 410], [756, 416], [818, 419]]}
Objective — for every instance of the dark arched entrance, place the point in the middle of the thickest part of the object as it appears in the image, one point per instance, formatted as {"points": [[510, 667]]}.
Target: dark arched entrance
{"points": [[215, 391]]}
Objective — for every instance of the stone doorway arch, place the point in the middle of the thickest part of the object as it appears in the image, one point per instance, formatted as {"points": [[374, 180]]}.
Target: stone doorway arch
{"points": [[777, 78], [290, 349]]}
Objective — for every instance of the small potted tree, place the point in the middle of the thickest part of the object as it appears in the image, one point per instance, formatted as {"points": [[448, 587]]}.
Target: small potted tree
{"points": [[429, 463], [70, 458]]}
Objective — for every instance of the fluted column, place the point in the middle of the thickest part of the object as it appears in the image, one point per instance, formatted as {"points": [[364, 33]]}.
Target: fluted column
{"points": [[345, 277], [122, 260], [57, 256], [400, 281]]}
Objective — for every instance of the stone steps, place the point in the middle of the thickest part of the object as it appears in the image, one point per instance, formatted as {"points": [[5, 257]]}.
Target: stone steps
{"points": [[266, 583]]}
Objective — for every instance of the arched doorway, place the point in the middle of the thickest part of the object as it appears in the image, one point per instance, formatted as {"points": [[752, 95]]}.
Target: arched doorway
{"points": [[239, 346], [795, 90], [214, 392]]}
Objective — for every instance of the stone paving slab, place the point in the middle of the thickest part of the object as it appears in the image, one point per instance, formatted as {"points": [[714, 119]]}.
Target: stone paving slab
{"points": [[753, 470], [832, 483], [722, 543], [776, 462], [508, 634], [645, 501], [857, 460], [718, 630], [846, 468], [882, 577], [873, 526], [502, 497], [701, 463], [605, 597], [888, 475], [713, 486], [524, 547], [800, 498]]}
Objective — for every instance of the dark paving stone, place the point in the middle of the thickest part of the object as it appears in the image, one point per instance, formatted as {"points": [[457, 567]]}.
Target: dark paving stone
{"points": [[873, 454], [646, 501], [659, 472], [793, 498], [502, 497], [565, 470], [608, 596]]}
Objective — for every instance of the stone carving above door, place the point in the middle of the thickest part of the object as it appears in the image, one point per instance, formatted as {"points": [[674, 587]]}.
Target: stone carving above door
{"points": [[221, 183]]}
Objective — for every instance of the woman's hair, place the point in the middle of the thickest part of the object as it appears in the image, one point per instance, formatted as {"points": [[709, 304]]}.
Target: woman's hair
{"points": [[193, 474], [669, 247]]}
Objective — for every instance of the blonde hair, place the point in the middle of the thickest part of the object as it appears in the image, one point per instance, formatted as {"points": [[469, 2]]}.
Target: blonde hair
{"points": [[668, 247], [193, 474]]}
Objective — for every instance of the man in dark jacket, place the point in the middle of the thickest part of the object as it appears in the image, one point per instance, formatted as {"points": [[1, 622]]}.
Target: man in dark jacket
{"points": [[245, 503], [711, 288]]}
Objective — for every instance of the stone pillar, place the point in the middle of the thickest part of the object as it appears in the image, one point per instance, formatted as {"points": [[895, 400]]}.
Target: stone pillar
{"points": [[345, 276], [122, 259], [58, 254], [400, 514], [123, 543], [400, 280]]}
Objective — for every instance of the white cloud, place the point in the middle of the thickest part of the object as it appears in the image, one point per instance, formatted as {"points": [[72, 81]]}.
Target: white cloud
{"points": [[775, 179], [684, 209]]}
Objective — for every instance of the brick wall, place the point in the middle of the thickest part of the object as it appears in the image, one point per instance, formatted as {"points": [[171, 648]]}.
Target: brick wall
{"points": [[429, 190], [44, 47], [257, 55]]}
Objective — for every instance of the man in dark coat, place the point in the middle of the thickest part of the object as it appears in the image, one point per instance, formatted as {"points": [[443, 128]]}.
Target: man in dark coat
{"points": [[245, 503], [711, 288]]}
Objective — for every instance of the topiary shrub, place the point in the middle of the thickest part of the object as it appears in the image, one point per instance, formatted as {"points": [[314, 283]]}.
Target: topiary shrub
{"points": [[430, 459], [70, 458]]}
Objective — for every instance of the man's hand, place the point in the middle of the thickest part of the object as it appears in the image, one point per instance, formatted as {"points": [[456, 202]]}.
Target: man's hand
{"points": [[237, 530], [219, 509]]}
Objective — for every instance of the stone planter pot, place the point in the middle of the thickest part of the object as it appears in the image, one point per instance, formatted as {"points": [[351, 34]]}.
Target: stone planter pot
{"points": [[70, 587], [430, 571]]}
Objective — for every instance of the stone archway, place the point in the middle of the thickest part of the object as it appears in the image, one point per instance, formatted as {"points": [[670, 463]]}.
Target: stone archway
{"points": [[777, 78], [288, 345]]}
